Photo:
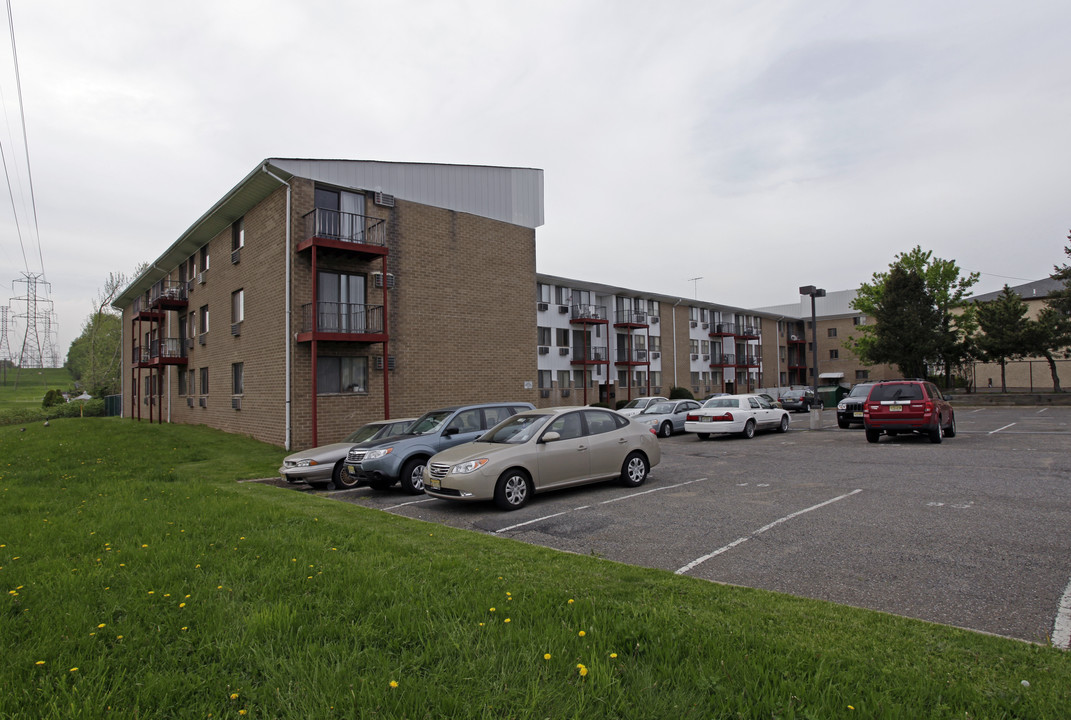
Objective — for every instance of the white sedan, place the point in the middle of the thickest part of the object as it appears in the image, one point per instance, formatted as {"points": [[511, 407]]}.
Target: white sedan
{"points": [[743, 414]]}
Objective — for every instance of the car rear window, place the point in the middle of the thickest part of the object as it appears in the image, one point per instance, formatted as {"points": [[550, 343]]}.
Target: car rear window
{"points": [[896, 391], [722, 403]]}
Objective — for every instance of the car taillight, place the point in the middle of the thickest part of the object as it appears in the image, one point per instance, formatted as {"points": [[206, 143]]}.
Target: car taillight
{"points": [[727, 417], [691, 418]]}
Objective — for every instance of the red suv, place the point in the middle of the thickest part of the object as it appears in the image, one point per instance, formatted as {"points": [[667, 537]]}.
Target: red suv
{"points": [[903, 406]]}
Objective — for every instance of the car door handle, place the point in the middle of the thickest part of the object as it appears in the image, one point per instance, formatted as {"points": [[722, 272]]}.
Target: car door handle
{"points": [[621, 441], [581, 448]]}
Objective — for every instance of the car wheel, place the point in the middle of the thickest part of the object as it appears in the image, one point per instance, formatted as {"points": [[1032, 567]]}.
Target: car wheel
{"points": [[937, 434], [513, 490], [702, 436], [783, 425], [413, 476], [749, 429], [950, 431], [322, 485], [843, 424], [666, 430], [342, 479], [872, 435], [634, 470], [379, 484]]}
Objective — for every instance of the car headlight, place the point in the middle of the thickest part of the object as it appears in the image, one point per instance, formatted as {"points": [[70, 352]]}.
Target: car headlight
{"points": [[466, 467], [842, 406], [378, 453], [305, 462]]}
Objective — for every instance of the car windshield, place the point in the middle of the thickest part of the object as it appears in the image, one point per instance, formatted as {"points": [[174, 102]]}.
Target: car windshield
{"points": [[860, 391], [430, 422], [722, 402], [636, 403], [659, 408], [792, 395], [364, 433], [518, 429], [896, 391]]}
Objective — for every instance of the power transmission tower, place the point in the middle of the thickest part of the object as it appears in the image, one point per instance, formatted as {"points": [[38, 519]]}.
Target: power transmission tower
{"points": [[5, 348], [38, 310]]}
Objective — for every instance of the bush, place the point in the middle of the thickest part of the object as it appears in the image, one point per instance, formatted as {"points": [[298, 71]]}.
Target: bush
{"points": [[620, 404], [21, 416], [680, 393], [53, 398]]}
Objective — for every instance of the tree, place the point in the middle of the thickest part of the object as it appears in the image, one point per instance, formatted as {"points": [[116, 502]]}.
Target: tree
{"points": [[1048, 336], [951, 334], [906, 320], [95, 356], [1005, 334]]}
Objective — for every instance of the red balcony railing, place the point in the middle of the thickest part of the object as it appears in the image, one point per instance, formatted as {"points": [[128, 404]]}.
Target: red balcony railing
{"points": [[592, 356], [344, 227], [342, 318], [630, 318], [587, 313], [722, 360], [637, 357]]}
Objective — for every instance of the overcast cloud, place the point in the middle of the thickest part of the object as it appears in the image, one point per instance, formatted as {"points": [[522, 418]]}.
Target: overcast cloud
{"points": [[757, 145]]}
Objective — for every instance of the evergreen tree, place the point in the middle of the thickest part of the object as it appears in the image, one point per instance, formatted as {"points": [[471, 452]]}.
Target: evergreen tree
{"points": [[906, 331], [1005, 331]]}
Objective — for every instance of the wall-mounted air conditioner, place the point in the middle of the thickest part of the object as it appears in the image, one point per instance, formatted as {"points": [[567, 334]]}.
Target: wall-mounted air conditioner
{"points": [[236, 329], [563, 309], [544, 393], [189, 402], [377, 280], [379, 362], [202, 338], [236, 403], [382, 198], [541, 306], [563, 351], [654, 319], [236, 256], [693, 323], [655, 355], [203, 402], [201, 277], [543, 349], [189, 343], [565, 392]]}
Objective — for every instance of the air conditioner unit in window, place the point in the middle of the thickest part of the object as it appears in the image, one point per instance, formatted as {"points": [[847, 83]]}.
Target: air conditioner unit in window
{"points": [[544, 393], [382, 198], [565, 392], [563, 351], [563, 309], [189, 286], [695, 356], [203, 402], [189, 402], [201, 277], [379, 362], [543, 349], [236, 256], [202, 338], [236, 403], [236, 329], [541, 306], [655, 355], [693, 323], [377, 280], [654, 319], [189, 343]]}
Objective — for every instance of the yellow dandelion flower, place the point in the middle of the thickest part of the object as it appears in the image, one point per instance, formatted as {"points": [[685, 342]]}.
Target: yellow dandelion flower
{"points": [[182, 605], [243, 711], [394, 683], [570, 601], [492, 609], [506, 620], [118, 637], [546, 656], [582, 633], [74, 669], [583, 672], [613, 655], [39, 662], [234, 696], [101, 626], [185, 628], [481, 624]]}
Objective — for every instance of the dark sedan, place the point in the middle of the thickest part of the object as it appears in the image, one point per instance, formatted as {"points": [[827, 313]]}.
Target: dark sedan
{"points": [[800, 400]]}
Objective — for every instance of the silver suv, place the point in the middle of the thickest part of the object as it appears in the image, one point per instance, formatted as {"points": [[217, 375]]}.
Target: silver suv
{"points": [[381, 463]]}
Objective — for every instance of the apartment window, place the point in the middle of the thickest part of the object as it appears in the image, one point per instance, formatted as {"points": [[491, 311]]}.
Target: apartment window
{"points": [[695, 379], [656, 343], [704, 346], [563, 378], [562, 337], [237, 306], [693, 313], [622, 378], [545, 381], [656, 378], [340, 305], [204, 381], [542, 293], [561, 295], [652, 307], [341, 375], [578, 378], [237, 384], [859, 320], [693, 346], [191, 382], [834, 354], [204, 319], [182, 383], [238, 234], [641, 379], [191, 326], [543, 334], [862, 374], [204, 258], [831, 332], [191, 263]]}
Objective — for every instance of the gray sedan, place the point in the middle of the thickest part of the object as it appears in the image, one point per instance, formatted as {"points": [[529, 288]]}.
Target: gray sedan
{"points": [[666, 417], [322, 466]]}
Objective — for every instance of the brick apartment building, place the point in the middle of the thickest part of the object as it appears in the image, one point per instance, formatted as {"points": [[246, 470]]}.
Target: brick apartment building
{"points": [[318, 295]]}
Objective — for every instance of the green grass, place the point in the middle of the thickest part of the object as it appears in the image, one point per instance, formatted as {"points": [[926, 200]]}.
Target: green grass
{"points": [[139, 580], [33, 383]]}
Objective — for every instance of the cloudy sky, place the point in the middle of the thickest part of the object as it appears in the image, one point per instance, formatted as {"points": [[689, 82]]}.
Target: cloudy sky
{"points": [[759, 145]]}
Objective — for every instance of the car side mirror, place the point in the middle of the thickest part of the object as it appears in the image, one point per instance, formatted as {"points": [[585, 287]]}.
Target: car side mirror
{"points": [[550, 437], [451, 431]]}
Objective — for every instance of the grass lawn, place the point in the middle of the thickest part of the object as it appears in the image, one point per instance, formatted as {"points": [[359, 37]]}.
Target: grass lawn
{"points": [[139, 580], [33, 383]]}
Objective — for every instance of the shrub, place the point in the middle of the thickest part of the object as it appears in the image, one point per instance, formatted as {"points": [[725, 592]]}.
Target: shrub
{"points": [[680, 393], [53, 398]]}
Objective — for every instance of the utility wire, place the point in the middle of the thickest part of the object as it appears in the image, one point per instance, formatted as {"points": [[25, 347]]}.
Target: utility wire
{"points": [[25, 139]]}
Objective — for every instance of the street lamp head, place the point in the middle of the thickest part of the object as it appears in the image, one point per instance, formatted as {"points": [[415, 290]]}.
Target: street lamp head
{"points": [[807, 290], [819, 293]]}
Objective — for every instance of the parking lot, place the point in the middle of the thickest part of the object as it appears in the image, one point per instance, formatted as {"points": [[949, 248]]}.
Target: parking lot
{"points": [[974, 532]]}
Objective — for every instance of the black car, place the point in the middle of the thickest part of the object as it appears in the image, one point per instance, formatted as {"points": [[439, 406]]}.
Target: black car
{"points": [[850, 408], [800, 400]]}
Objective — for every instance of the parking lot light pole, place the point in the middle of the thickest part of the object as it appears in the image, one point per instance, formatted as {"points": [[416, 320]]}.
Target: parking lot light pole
{"points": [[814, 292]]}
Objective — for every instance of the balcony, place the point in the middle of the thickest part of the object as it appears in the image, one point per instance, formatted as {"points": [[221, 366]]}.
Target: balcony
{"points": [[141, 310], [638, 357], [168, 351], [593, 356], [723, 360], [168, 296], [723, 330], [747, 332], [630, 319], [342, 322], [587, 314], [344, 231], [748, 361]]}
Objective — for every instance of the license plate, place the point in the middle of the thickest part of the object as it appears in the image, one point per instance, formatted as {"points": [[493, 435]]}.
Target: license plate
{"points": [[432, 482], [896, 408], [858, 413], [352, 469]]}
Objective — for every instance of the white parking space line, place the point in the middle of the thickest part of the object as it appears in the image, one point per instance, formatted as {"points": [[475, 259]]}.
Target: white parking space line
{"points": [[604, 502], [699, 561], [1042, 410], [1061, 628], [411, 502], [992, 432]]}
